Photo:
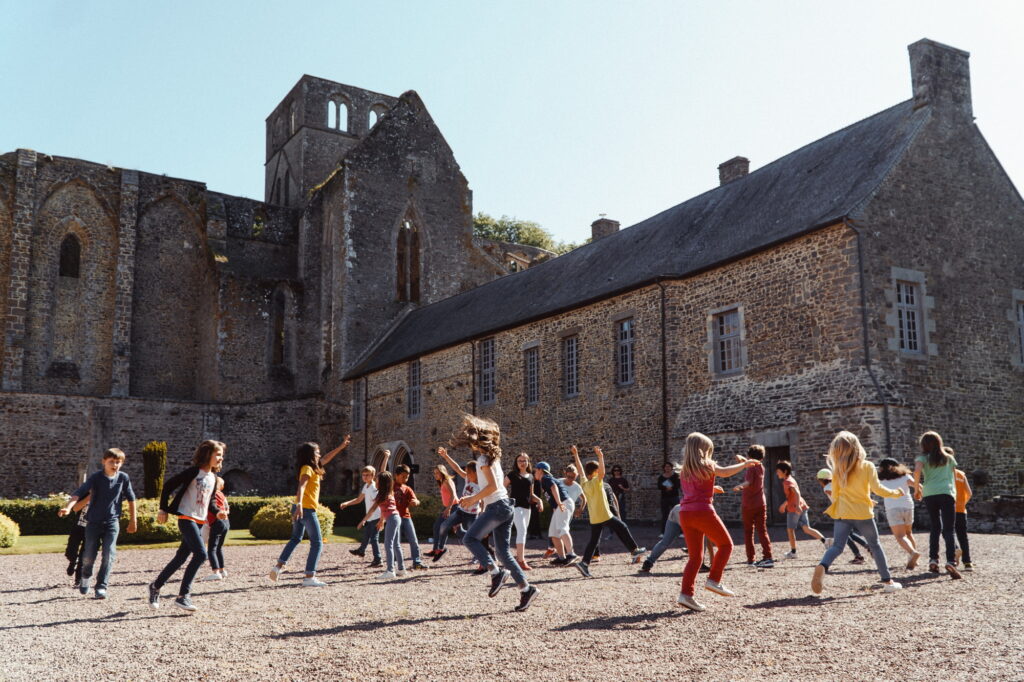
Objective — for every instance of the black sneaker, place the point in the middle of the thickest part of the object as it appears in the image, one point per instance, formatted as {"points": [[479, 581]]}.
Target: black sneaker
{"points": [[526, 598], [584, 570], [375, 563], [183, 602], [498, 582], [418, 566], [765, 563], [83, 586], [154, 596], [571, 559], [481, 571], [646, 567], [558, 561], [439, 553], [357, 552], [704, 568], [71, 569]]}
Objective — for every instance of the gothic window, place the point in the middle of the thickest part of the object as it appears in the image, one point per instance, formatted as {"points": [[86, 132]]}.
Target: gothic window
{"points": [[487, 374], [332, 114], [68, 326], [70, 256], [342, 117], [293, 119], [372, 120], [726, 343], [531, 371], [407, 262], [624, 360], [571, 366], [414, 404], [358, 406]]}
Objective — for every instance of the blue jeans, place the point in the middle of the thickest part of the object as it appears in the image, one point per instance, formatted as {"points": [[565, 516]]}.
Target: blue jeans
{"points": [[191, 544], [496, 520], [371, 536], [409, 532], [94, 532], [392, 548], [308, 524], [867, 528], [457, 517], [215, 545], [669, 535]]}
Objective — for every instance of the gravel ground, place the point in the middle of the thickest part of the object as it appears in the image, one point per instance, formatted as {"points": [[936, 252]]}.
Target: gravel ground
{"points": [[441, 625]]}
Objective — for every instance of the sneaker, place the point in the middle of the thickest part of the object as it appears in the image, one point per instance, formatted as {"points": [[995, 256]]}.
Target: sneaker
{"points": [[584, 570], [766, 563], [313, 582], [690, 603], [596, 559], [953, 573], [790, 555], [704, 568], [154, 596], [829, 542], [637, 555], [438, 554], [83, 586], [481, 570], [549, 552], [275, 572], [572, 559], [71, 569], [857, 560], [646, 567], [718, 588], [386, 575], [431, 552], [418, 566], [498, 581], [968, 566], [892, 587], [957, 553], [184, 603], [559, 561], [912, 560], [376, 563], [818, 581], [526, 598], [101, 593], [401, 573], [223, 574], [213, 576], [933, 567], [357, 552]]}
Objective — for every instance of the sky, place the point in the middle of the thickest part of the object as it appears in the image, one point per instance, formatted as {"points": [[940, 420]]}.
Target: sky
{"points": [[557, 111]]}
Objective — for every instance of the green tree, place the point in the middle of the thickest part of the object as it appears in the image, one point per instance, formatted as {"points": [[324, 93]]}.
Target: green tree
{"points": [[516, 231]]}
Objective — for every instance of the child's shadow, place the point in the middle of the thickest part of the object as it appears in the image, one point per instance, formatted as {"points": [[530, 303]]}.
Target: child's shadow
{"points": [[374, 625], [644, 621], [803, 601]]}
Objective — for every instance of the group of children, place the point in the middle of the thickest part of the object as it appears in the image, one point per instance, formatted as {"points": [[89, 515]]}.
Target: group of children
{"points": [[493, 502]]}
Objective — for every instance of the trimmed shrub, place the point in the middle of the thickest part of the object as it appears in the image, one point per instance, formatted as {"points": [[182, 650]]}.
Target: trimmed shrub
{"points": [[148, 529], [244, 508], [274, 521], [38, 517], [423, 516], [9, 531], [154, 466]]}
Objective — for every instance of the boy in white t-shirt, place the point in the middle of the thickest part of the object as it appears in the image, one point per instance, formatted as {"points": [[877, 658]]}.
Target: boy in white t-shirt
{"points": [[367, 495]]}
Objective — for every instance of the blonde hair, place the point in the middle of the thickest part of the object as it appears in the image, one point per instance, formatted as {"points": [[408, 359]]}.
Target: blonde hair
{"points": [[570, 467], [845, 455], [220, 483], [481, 435], [445, 476], [697, 461], [368, 470]]}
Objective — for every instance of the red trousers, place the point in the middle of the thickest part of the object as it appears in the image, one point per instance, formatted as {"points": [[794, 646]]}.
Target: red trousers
{"points": [[756, 519], [696, 525]]}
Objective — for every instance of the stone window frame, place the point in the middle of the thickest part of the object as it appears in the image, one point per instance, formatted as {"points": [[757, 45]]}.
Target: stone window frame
{"points": [[358, 406], [625, 348], [286, 326], [570, 366], [487, 371], [531, 372], [339, 101], [1016, 316], [925, 306], [711, 346], [414, 390]]}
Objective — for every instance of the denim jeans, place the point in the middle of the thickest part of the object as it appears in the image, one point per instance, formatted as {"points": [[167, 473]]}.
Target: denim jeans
{"points": [[392, 547], [96, 531], [961, 535], [308, 524], [668, 536], [191, 544], [409, 533], [457, 517], [867, 528], [371, 536], [620, 530], [215, 545], [496, 520], [942, 515]]}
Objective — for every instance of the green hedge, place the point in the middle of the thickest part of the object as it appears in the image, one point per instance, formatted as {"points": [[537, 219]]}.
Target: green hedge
{"points": [[9, 532], [274, 521], [244, 508], [148, 529], [38, 517]]}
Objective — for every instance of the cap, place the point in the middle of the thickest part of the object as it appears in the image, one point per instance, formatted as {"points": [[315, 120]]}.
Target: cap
{"points": [[544, 466], [825, 475]]}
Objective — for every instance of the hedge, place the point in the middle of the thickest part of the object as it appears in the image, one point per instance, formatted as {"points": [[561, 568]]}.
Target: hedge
{"points": [[9, 532], [154, 466], [38, 517], [148, 529], [274, 521]]}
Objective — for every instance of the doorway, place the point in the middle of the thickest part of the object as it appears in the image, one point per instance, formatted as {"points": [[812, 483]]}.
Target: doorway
{"points": [[773, 491]]}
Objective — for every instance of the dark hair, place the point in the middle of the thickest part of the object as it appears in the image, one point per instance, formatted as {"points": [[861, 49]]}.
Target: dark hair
{"points": [[616, 468], [529, 463], [204, 453], [385, 486], [785, 467], [590, 467], [938, 454], [471, 466], [402, 469], [889, 469], [755, 451], [308, 455]]}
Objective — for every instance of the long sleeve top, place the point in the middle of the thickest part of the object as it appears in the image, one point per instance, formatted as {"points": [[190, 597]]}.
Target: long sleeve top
{"points": [[853, 500]]}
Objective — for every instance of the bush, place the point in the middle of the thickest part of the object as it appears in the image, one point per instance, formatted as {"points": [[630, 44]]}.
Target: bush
{"points": [[423, 516], [154, 466], [38, 517], [9, 532], [148, 529], [274, 521], [244, 508]]}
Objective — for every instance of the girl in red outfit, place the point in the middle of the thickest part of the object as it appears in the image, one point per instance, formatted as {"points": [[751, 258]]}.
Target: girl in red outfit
{"points": [[698, 519]]}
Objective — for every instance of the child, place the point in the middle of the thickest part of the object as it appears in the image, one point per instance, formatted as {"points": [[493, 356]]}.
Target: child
{"points": [[795, 508], [853, 480], [367, 495], [484, 439], [76, 540], [672, 531], [754, 509], [520, 485], [446, 488], [570, 479], [193, 502], [668, 485], [304, 519], [390, 522], [963, 496], [824, 478], [405, 497], [599, 512], [105, 490], [219, 528], [620, 486], [457, 514], [899, 512], [698, 518], [562, 508], [939, 494]]}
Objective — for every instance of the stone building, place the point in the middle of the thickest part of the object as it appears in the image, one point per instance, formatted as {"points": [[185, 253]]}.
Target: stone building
{"points": [[871, 280]]}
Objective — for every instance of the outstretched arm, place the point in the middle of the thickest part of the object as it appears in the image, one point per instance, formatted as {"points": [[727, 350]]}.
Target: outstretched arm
{"points": [[600, 462], [443, 454], [369, 513], [334, 453], [733, 469], [576, 459], [355, 500]]}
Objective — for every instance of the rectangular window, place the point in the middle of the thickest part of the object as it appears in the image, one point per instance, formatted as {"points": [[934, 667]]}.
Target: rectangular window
{"points": [[571, 366], [488, 365], [414, 405], [531, 370], [726, 328], [358, 407], [624, 367], [908, 316], [1020, 330]]}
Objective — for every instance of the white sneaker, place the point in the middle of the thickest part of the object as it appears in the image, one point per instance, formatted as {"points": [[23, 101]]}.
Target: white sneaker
{"points": [[400, 573], [275, 572], [790, 555], [386, 575], [313, 582], [690, 603], [892, 587], [215, 576], [718, 588], [223, 573]]}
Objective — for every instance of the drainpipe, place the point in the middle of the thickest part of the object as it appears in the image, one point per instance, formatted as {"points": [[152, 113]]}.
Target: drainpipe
{"points": [[867, 345], [664, 380], [472, 374], [366, 420]]}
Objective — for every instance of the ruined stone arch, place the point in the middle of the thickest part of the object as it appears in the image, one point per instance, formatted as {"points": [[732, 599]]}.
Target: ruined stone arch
{"points": [[401, 453], [373, 116], [409, 242], [281, 330], [339, 108]]}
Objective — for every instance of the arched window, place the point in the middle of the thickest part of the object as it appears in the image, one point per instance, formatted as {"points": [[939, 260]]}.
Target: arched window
{"points": [[374, 117], [407, 261], [70, 256], [332, 114], [376, 111], [287, 188], [342, 117], [293, 119]]}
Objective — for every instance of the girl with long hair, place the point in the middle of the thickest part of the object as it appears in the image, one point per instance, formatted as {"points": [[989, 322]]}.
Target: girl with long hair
{"points": [[446, 487], [900, 511], [390, 522], [938, 491], [519, 481]]}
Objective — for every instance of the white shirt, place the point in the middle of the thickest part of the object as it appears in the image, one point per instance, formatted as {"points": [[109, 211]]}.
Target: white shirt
{"points": [[484, 471], [469, 490], [195, 503], [369, 497], [902, 484], [574, 489]]}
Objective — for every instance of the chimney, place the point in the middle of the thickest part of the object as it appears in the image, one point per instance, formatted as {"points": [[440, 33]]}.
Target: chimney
{"points": [[941, 77], [602, 227], [734, 168]]}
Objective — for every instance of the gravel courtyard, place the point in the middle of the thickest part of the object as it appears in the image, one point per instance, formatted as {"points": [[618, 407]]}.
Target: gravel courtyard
{"points": [[440, 624]]}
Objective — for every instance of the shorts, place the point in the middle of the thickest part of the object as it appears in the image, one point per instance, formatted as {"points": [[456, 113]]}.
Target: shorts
{"points": [[560, 520], [796, 520], [900, 517]]}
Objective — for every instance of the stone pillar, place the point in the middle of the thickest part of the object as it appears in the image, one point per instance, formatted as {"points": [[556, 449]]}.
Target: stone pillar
{"points": [[21, 254], [121, 379]]}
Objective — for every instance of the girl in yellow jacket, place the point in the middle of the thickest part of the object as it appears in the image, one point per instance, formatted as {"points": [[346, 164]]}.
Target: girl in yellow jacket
{"points": [[853, 480]]}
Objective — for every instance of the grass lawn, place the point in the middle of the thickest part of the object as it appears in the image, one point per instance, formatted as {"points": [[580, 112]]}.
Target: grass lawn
{"points": [[55, 544]]}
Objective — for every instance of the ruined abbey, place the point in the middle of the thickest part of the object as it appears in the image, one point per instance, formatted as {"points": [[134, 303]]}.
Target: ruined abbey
{"points": [[871, 280]]}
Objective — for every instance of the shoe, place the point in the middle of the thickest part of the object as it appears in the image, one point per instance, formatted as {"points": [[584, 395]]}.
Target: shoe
{"points": [[584, 570], [766, 563], [386, 575], [357, 552], [549, 552], [829, 542], [223, 574], [646, 567], [718, 588], [498, 581], [213, 576], [912, 560], [704, 568], [968, 566], [418, 566], [957, 553], [559, 561], [83, 586], [933, 567], [481, 570], [818, 581], [376, 563], [892, 587], [790, 555], [523, 565], [430, 553], [526, 598], [953, 573], [184, 603], [154, 596], [572, 560], [275, 572], [690, 603], [71, 569], [401, 573], [438, 554], [857, 560], [596, 559], [313, 582], [637, 555], [751, 563], [101, 593]]}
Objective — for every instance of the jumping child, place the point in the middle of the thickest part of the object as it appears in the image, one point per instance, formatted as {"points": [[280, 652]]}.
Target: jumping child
{"points": [[939, 494], [390, 522], [899, 512], [457, 514], [795, 508], [219, 528], [367, 495], [405, 497]]}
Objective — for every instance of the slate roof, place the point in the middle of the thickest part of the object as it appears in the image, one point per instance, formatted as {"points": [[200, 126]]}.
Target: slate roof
{"points": [[814, 186]]}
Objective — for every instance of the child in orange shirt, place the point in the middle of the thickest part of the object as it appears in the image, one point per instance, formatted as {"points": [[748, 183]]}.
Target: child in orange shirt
{"points": [[795, 508], [963, 496]]}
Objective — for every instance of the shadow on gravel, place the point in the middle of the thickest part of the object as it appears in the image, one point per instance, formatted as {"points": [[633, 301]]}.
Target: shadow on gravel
{"points": [[371, 625], [33, 589], [644, 621], [120, 615], [803, 601]]}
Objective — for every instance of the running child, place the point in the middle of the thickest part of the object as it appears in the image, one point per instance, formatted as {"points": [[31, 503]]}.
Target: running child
{"points": [[446, 490], [76, 541], [939, 494], [795, 508], [520, 485], [562, 508], [390, 522], [856, 540], [457, 514], [367, 495], [754, 508], [405, 498], [899, 512], [219, 528], [963, 496]]}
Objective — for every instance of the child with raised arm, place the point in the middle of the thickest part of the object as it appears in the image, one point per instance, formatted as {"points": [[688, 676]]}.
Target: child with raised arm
{"points": [[754, 508], [105, 489], [562, 508], [405, 499], [388, 521], [795, 508], [457, 514], [599, 511], [367, 495]]}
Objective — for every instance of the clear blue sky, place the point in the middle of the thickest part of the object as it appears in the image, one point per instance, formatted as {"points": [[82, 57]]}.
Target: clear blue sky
{"points": [[557, 110]]}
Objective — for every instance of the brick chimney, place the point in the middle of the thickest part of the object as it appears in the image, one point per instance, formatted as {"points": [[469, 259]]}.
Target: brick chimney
{"points": [[941, 77], [602, 227], [733, 169]]}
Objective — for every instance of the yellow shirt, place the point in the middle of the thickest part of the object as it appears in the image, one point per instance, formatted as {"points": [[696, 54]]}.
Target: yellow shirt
{"points": [[311, 494], [597, 503], [963, 492], [853, 500]]}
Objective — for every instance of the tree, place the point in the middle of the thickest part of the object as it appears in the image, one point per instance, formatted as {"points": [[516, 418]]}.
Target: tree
{"points": [[515, 231]]}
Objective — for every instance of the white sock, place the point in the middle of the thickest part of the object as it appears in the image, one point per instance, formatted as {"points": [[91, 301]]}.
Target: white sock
{"points": [[494, 569], [525, 589]]}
